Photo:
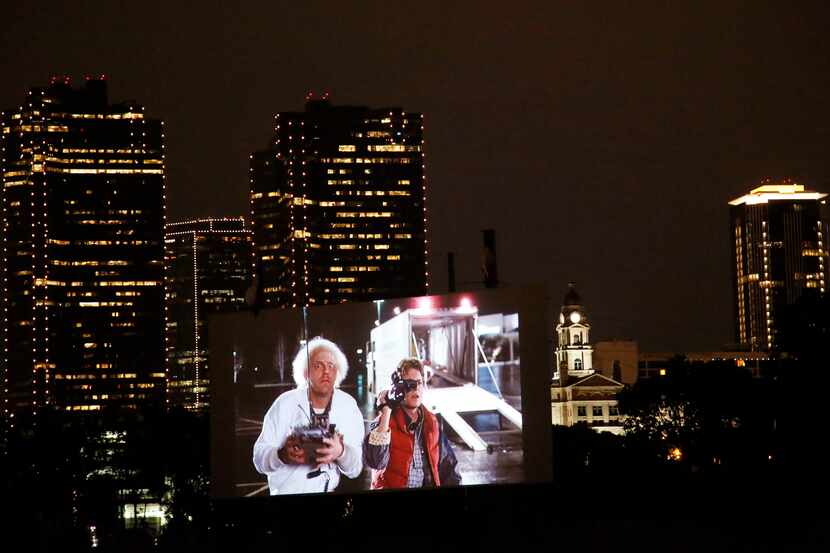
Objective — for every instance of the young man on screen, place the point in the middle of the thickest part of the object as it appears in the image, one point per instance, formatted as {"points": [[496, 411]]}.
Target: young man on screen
{"points": [[406, 446], [315, 403]]}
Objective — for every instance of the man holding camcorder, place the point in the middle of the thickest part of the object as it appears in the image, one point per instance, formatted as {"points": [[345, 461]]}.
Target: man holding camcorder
{"points": [[313, 433], [406, 446]]}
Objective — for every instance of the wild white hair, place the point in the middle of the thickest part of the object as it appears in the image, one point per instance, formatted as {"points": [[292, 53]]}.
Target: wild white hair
{"points": [[300, 364]]}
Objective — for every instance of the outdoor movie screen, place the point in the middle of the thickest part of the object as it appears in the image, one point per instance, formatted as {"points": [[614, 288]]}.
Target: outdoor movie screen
{"points": [[393, 394]]}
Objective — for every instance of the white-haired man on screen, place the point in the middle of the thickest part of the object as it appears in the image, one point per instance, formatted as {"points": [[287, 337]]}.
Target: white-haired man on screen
{"points": [[280, 451]]}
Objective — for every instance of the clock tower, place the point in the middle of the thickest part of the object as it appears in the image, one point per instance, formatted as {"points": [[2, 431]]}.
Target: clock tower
{"points": [[573, 353], [578, 394]]}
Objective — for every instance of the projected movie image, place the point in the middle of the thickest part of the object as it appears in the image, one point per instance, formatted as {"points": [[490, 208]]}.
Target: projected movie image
{"points": [[395, 394]]}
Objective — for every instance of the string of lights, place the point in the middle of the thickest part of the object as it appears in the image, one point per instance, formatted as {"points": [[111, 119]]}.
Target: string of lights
{"points": [[208, 269]]}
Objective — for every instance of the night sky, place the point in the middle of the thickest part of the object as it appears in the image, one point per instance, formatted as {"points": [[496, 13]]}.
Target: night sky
{"points": [[601, 142]]}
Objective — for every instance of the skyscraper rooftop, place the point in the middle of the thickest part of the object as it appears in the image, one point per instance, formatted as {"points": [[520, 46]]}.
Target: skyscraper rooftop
{"points": [[784, 190]]}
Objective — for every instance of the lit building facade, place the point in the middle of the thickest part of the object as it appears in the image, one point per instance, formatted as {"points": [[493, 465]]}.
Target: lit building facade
{"points": [[338, 206], [83, 218], [579, 394], [779, 255], [208, 270]]}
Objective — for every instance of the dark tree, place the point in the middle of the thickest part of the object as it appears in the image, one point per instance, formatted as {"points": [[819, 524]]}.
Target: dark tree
{"points": [[706, 416]]}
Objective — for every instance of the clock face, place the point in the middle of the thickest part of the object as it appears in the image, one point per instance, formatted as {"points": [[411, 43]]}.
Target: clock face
{"points": [[575, 317], [562, 318]]}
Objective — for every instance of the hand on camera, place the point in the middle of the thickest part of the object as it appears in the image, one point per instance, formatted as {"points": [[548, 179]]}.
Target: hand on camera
{"points": [[331, 451], [383, 401], [292, 452]]}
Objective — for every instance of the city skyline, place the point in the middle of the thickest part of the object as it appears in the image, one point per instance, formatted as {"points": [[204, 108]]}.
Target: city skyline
{"points": [[602, 147]]}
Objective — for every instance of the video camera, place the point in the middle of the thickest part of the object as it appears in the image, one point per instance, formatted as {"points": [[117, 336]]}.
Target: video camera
{"points": [[400, 387]]}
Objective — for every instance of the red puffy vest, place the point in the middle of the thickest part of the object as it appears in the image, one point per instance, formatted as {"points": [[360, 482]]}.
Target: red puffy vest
{"points": [[402, 447]]}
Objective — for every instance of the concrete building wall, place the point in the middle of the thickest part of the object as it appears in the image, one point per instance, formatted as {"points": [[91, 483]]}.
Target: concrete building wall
{"points": [[617, 359]]}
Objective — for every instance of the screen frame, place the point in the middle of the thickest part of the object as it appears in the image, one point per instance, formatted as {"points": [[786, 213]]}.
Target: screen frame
{"points": [[535, 349]]}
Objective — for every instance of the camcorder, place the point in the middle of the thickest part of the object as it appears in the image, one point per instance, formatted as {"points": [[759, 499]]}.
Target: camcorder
{"points": [[310, 437], [400, 387]]}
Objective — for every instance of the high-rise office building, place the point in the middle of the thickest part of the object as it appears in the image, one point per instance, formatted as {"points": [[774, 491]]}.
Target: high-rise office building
{"points": [[779, 256], [208, 270], [338, 206], [82, 261]]}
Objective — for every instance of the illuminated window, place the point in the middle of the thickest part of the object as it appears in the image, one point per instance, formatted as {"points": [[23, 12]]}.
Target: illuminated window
{"points": [[596, 411], [581, 411], [393, 148]]}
